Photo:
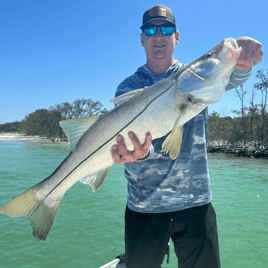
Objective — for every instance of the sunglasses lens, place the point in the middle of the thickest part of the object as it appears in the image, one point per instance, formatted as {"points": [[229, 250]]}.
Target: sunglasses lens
{"points": [[164, 30], [150, 31], [167, 30]]}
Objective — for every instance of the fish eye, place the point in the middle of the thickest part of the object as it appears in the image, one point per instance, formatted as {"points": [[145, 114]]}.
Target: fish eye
{"points": [[208, 55]]}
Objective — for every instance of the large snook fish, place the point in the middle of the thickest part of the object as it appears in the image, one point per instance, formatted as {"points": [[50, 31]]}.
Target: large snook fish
{"points": [[157, 109]]}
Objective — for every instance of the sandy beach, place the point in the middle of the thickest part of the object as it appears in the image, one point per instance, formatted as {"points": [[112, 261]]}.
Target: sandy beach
{"points": [[6, 135]]}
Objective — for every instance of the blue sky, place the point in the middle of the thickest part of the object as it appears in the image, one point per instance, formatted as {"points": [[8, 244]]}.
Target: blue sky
{"points": [[54, 51]]}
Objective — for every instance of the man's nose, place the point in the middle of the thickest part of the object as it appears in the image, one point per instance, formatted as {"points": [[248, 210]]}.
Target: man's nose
{"points": [[158, 32]]}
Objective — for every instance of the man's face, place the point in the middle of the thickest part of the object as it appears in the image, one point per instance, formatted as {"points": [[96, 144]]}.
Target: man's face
{"points": [[159, 46]]}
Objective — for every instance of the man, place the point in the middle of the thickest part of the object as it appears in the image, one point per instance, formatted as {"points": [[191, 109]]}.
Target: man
{"points": [[171, 198]]}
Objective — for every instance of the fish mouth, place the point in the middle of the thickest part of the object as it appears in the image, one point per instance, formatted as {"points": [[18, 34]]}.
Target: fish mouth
{"points": [[233, 49], [231, 42]]}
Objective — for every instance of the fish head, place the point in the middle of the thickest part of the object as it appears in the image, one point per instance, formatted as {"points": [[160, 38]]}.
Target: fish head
{"points": [[205, 79], [227, 53]]}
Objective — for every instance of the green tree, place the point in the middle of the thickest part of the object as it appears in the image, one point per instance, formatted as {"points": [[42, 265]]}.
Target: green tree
{"points": [[242, 112], [80, 108], [252, 112], [214, 126], [263, 88], [11, 127], [37, 123], [55, 130], [45, 122]]}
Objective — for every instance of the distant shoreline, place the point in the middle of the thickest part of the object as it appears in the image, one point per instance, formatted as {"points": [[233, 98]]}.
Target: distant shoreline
{"points": [[213, 149], [239, 151], [36, 138]]}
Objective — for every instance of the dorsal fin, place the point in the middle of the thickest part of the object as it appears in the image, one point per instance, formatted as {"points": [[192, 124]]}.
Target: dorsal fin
{"points": [[75, 128], [124, 97]]}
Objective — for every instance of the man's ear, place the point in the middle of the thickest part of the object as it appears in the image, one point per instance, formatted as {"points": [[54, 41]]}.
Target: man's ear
{"points": [[141, 36], [177, 37]]}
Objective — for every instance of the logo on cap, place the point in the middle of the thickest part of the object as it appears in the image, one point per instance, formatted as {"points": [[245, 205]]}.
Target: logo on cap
{"points": [[157, 11]]}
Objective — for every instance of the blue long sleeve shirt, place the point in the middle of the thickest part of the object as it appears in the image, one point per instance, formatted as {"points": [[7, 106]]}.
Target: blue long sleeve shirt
{"points": [[158, 183]]}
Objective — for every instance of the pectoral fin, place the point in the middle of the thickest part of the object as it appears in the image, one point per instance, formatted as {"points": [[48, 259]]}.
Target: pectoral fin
{"points": [[172, 143], [96, 180]]}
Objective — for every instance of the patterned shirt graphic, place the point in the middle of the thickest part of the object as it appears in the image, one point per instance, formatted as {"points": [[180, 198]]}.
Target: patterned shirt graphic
{"points": [[158, 183]]}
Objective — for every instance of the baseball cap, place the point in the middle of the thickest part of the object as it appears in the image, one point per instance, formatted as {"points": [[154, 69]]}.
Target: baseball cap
{"points": [[158, 12]]}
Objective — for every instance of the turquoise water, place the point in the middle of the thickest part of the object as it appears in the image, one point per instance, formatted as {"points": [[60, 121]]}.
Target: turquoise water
{"points": [[88, 230]]}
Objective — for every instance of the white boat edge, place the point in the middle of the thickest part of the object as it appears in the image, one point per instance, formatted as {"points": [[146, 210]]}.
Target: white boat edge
{"points": [[111, 264]]}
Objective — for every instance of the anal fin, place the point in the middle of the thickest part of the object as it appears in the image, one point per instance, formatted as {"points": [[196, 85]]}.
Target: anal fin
{"points": [[96, 180]]}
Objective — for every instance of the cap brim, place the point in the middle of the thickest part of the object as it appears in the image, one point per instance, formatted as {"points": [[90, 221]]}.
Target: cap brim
{"points": [[148, 22]]}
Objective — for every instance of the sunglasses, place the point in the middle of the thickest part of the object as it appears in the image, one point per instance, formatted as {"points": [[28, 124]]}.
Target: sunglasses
{"points": [[164, 30]]}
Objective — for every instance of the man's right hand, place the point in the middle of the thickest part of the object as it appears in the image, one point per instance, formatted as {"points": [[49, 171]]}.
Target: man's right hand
{"points": [[120, 153]]}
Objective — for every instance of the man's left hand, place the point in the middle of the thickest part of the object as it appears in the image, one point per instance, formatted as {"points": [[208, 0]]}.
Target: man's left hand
{"points": [[251, 53]]}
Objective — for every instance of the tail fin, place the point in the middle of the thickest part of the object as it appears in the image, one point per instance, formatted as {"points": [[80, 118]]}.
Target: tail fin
{"points": [[40, 215]]}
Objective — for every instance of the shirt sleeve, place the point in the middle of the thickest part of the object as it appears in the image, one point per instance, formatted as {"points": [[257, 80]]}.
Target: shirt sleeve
{"points": [[238, 77], [127, 85], [150, 154]]}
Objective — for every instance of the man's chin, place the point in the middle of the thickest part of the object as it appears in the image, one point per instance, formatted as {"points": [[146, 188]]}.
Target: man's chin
{"points": [[159, 55]]}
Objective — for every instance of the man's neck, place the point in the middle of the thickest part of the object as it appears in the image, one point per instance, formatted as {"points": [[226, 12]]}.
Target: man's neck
{"points": [[158, 66]]}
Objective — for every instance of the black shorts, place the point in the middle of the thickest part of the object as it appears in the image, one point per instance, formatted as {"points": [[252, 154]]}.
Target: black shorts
{"points": [[193, 232]]}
